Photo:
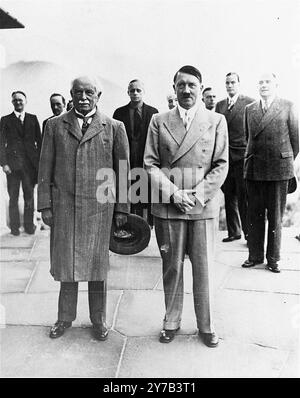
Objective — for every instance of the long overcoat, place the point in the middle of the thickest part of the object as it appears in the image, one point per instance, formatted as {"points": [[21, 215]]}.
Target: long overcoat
{"points": [[69, 183]]}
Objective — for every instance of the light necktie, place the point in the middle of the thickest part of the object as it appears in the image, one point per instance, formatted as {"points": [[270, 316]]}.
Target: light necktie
{"points": [[230, 104], [265, 107], [186, 120]]}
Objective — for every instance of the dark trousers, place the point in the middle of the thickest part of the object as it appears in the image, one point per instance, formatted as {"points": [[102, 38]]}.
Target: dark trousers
{"points": [[67, 303], [267, 200], [14, 181], [234, 189]]}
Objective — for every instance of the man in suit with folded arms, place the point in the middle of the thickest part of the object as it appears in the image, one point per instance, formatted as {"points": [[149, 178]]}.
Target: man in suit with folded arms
{"points": [[136, 117], [271, 128], [20, 144], [233, 108], [186, 157]]}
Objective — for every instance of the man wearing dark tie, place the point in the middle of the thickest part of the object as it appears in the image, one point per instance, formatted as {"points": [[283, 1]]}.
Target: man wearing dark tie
{"points": [[209, 98], [20, 143], [234, 188], [271, 128], [136, 116], [77, 145]]}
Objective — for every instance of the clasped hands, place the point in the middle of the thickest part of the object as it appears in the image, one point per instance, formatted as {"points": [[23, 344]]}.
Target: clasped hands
{"points": [[119, 218], [184, 199]]}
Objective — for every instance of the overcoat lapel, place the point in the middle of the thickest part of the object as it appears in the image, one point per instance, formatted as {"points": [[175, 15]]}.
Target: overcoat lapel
{"points": [[271, 113], [199, 126], [72, 124], [94, 128]]}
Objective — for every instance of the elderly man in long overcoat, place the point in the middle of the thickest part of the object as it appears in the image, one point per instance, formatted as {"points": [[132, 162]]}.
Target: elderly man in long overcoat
{"points": [[77, 145]]}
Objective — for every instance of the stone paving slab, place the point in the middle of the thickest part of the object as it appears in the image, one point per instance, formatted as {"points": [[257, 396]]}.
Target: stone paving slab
{"points": [[262, 318], [291, 368], [187, 356], [76, 354], [21, 241], [15, 254], [133, 272], [141, 314], [41, 309], [41, 249], [15, 275], [263, 280]]}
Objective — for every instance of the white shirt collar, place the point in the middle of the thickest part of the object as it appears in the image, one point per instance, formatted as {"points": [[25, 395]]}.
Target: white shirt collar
{"points": [[189, 112], [233, 99], [88, 115], [20, 113], [268, 101]]}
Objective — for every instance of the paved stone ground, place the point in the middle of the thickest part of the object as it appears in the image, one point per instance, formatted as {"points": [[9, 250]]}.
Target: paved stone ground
{"points": [[257, 315]]}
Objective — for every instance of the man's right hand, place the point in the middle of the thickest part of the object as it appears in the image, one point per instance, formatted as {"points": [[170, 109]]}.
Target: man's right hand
{"points": [[6, 169], [184, 200], [47, 217]]}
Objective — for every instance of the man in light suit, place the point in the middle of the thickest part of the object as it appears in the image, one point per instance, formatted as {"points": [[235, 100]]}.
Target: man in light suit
{"points": [[186, 157], [233, 108], [77, 147], [136, 117], [271, 128], [20, 144]]}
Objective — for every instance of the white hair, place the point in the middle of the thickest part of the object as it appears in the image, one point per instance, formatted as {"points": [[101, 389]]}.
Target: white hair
{"points": [[93, 79]]}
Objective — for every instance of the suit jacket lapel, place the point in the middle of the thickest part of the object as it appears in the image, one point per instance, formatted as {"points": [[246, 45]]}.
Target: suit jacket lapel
{"points": [[273, 110], [198, 127], [175, 126], [235, 110], [17, 125]]}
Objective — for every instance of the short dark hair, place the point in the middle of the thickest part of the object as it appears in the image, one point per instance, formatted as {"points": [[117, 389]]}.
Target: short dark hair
{"points": [[191, 70], [206, 89], [233, 73], [18, 92], [58, 95]]}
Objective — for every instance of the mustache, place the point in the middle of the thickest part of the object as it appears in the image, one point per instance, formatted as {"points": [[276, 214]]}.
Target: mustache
{"points": [[186, 96]]}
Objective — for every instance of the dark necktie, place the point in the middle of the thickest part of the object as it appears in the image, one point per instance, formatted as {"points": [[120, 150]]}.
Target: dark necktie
{"points": [[20, 118], [137, 124], [85, 123]]}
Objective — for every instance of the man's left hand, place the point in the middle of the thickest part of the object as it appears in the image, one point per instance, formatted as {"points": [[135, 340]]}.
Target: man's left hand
{"points": [[120, 219]]}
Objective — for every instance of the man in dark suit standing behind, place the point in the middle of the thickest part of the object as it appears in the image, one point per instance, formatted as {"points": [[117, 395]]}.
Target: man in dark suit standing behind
{"points": [[136, 116], [20, 144], [271, 127], [234, 189], [58, 104]]}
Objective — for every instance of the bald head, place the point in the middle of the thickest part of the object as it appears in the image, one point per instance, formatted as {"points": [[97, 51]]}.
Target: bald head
{"points": [[267, 85], [85, 92]]}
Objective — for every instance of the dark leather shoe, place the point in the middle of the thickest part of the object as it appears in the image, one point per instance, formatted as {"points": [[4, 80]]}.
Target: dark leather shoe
{"points": [[250, 263], [100, 331], [59, 329], [273, 267], [167, 335], [231, 238], [209, 339], [15, 232], [30, 230]]}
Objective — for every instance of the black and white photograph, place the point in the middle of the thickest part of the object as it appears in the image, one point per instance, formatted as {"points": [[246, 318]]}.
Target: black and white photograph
{"points": [[149, 192]]}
